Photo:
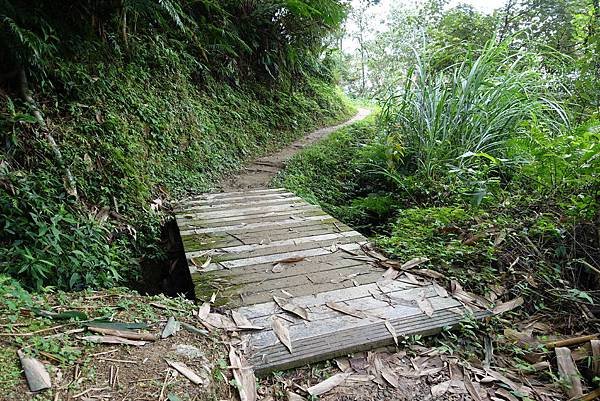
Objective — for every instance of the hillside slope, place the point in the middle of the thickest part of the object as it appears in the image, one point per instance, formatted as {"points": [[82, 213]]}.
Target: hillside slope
{"points": [[103, 122]]}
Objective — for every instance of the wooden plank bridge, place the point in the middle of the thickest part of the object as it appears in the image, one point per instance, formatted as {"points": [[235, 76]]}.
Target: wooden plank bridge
{"points": [[256, 247]]}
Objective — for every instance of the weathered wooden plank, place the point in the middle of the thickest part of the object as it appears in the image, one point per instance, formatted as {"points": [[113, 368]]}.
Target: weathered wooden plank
{"points": [[198, 209], [194, 243], [234, 198], [310, 279], [235, 296], [182, 205], [298, 214], [308, 251], [268, 224], [224, 239], [405, 298], [225, 195], [259, 273], [339, 322], [352, 274], [350, 340], [275, 246], [340, 295], [303, 290], [246, 210]]}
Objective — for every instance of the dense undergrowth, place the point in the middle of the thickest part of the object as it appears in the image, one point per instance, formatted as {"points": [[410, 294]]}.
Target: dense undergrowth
{"points": [[534, 243], [108, 112], [130, 140], [518, 217]]}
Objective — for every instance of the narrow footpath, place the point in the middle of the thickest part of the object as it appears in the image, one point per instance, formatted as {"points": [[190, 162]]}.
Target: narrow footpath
{"points": [[261, 171]]}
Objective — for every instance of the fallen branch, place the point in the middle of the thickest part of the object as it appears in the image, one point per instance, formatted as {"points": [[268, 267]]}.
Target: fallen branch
{"points": [[588, 397], [567, 342], [123, 334]]}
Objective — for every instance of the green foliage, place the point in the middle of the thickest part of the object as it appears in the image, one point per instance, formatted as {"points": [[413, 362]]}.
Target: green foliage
{"points": [[45, 242], [460, 31], [444, 118], [441, 234], [265, 40], [564, 166], [146, 100], [125, 142], [346, 189]]}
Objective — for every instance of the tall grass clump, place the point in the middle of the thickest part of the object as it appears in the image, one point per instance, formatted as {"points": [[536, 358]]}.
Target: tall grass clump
{"points": [[451, 119]]}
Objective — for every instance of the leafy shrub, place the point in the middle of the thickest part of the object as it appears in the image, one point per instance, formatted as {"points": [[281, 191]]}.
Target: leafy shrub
{"points": [[566, 167], [46, 242], [440, 234], [443, 118]]}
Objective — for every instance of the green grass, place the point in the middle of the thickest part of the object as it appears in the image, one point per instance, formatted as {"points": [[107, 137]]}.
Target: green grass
{"points": [[20, 313], [336, 173], [10, 371], [454, 118]]}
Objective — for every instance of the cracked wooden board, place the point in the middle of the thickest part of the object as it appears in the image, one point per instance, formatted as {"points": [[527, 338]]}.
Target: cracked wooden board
{"points": [[251, 246]]}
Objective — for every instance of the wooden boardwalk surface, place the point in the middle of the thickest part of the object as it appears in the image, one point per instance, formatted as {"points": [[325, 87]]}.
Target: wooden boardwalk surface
{"points": [[252, 246]]}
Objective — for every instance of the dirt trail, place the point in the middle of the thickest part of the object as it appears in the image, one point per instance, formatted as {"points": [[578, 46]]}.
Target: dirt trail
{"points": [[260, 172]]}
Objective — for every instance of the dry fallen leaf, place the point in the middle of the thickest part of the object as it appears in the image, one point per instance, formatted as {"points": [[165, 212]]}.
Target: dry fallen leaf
{"points": [[568, 372], [291, 308], [411, 278], [505, 394], [203, 311], [429, 274], [242, 322], [343, 364], [513, 386], [472, 390], [413, 263], [294, 397], [243, 375], [466, 298], [390, 274], [278, 268], [507, 306], [328, 384], [36, 374], [202, 265], [390, 377], [293, 259], [440, 389], [346, 310], [439, 290], [282, 333], [392, 331], [130, 335], [112, 340], [170, 328], [424, 304], [187, 372]]}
